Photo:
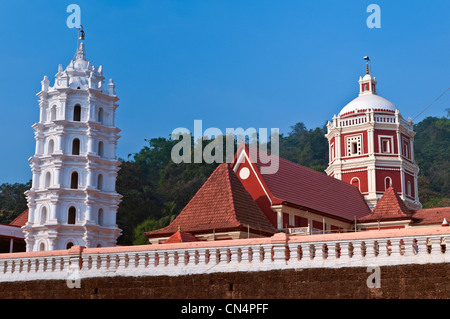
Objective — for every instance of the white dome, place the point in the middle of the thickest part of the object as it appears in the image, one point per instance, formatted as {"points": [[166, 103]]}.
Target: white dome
{"points": [[368, 101]]}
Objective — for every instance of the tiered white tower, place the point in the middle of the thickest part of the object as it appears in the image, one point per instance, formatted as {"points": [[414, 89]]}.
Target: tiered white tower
{"points": [[73, 200]]}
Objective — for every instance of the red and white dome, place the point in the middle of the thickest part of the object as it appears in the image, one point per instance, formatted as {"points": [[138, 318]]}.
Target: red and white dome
{"points": [[368, 98], [367, 102]]}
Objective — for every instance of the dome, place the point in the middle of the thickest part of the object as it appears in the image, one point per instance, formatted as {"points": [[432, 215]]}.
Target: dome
{"points": [[368, 101]]}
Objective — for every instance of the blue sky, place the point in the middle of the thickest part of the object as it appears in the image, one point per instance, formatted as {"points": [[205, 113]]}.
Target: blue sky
{"points": [[261, 64]]}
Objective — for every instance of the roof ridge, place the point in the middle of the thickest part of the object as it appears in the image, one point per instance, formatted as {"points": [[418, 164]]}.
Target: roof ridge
{"points": [[20, 219], [300, 185], [230, 194], [239, 194], [389, 206], [399, 202], [221, 203], [257, 162], [197, 194]]}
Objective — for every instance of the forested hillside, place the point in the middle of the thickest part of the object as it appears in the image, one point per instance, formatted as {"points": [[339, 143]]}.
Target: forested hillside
{"points": [[155, 189], [432, 154]]}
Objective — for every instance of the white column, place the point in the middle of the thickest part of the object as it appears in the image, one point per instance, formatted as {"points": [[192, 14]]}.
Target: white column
{"points": [[57, 178], [416, 189], [35, 180], [31, 211], [402, 179], [370, 141], [337, 146], [90, 144], [399, 144], [53, 212], [279, 220], [89, 213]]}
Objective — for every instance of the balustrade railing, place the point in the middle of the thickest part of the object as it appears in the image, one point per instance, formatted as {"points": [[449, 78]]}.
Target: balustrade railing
{"points": [[278, 252]]}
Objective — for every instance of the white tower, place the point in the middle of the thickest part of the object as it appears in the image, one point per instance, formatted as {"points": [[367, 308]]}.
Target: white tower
{"points": [[73, 200]]}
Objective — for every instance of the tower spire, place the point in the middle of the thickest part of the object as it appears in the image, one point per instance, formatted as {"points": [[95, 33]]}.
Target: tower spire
{"points": [[81, 33], [367, 64], [81, 54], [367, 83]]}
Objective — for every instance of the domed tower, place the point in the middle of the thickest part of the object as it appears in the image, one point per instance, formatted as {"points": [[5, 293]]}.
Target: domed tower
{"points": [[371, 146], [73, 200]]}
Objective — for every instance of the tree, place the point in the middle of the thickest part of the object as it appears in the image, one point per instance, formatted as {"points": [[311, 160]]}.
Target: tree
{"points": [[12, 200], [145, 226], [432, 154], [306, 147]]}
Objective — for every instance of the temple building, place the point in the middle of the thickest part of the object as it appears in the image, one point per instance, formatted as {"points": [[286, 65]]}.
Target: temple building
{"points": [[370, 184], [248, 204]]}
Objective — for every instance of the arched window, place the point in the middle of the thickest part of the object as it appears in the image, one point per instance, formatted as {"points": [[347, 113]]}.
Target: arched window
{"points": [[48, 179], [100, 149], [100, 216], [387, 183], [77, 113], [76, 147], [74, 180], [100, 115], [43, 217], [69, 245], [72, 216], [53, 113], [355, 182], [50, 147], [100, 182], [408, 188], [42, 247]]}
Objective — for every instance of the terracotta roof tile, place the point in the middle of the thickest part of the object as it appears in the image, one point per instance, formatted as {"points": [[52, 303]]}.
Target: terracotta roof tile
{"points": [[429, 216], [222, 203], [21, 219], [389, 207], [180, 237], [305, 187]]}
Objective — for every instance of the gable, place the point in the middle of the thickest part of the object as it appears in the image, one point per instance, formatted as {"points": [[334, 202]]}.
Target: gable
{"points": [[303, 187]]}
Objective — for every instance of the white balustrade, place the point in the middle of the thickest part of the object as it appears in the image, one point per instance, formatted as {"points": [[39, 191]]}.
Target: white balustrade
{"points": [[232, 256]]}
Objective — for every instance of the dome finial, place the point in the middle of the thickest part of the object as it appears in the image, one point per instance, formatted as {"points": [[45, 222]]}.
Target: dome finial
{"points": [[367, 64], [81, 32]]}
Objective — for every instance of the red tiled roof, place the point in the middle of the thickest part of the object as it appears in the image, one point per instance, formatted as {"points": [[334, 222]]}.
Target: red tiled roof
{"points": [[21, 219], [389, 207], [180, 237], [310, 189], [221, 204], [428, 216]]}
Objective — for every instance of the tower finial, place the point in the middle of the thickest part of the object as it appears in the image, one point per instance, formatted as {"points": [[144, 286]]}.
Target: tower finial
{"points": [[81, 32], [367, 64]]}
